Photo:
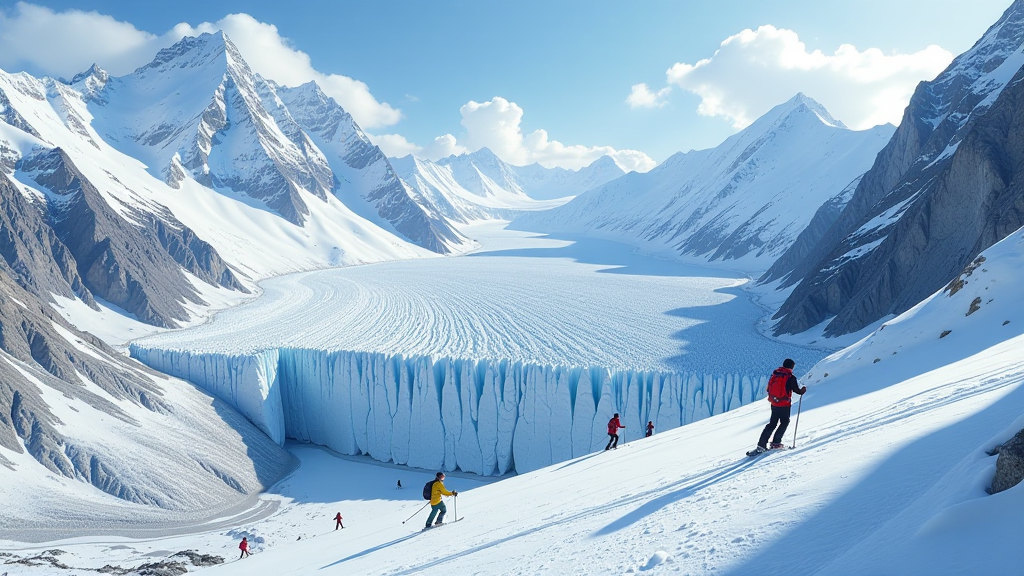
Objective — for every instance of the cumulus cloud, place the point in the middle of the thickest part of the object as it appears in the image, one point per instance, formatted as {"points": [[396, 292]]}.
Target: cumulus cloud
{"points": [[65, 43], [496, 124], [76, 39], [642, 97], [397, 146], [757, 69]]}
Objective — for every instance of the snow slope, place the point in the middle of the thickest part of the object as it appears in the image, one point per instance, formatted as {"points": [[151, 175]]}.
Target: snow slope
{"points": [[481, 186], [742, 203], [473, 187], [888, 477]]}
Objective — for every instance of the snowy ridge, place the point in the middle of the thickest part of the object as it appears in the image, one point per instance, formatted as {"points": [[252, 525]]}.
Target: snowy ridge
{"points": [[481, 186], [743, 202], [483, 416]]}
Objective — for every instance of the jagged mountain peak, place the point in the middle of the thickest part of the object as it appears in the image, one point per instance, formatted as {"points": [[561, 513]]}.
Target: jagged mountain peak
{"points": [[94, 72], [799, 106], [197, 51]]}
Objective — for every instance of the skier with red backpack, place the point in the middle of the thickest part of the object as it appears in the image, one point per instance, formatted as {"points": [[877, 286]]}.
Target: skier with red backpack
{"points": [[613, 432], [781, 387]]}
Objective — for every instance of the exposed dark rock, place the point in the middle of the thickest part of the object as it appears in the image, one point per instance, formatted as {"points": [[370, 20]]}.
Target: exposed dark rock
{"points": [[134, 265], [1009, 464], [948, 185]]}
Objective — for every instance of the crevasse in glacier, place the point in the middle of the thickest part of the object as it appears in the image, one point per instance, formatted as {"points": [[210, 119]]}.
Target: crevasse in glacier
{"points": [[484, 416]]}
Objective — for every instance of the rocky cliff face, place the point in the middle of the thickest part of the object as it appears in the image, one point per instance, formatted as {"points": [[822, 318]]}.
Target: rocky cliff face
{"points": [[132, 259], [44, 362], [946, 187]]}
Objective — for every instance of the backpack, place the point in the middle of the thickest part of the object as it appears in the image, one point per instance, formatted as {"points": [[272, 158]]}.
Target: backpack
{"points": [[427, 489], [777, 393]]}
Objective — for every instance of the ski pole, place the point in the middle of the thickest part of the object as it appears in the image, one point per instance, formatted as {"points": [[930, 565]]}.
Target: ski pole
{"points": [[797, 423], [415, 513], [455, 506]]}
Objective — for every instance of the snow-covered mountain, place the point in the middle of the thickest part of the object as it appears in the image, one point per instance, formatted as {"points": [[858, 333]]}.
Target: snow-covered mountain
{"points": [[947, 186], [744, 201], [80, 422], [138, 203], [233, 129], [481, 186]]}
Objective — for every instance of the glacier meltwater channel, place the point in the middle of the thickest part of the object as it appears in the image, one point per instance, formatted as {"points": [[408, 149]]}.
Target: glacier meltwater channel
{"points": [[481, 416]]}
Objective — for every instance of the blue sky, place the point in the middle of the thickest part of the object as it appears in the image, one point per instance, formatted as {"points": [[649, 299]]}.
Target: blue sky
{"points": [[563, 67]]}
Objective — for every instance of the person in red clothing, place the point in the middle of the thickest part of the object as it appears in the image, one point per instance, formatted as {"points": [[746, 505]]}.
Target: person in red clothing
{"points": [[244, 547], [650, 429], [781, 387], [337, 521], [613, 432]]}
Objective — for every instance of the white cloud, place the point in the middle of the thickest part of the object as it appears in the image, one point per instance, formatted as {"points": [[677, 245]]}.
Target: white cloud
{"points": [[756, 69], [75, 39], [397, 146], [495, 124], [642, 97], [66, 43]]}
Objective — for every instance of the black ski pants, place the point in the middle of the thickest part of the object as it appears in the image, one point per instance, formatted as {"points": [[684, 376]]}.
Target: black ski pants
{"points": [[613, 441], [780, 418]]}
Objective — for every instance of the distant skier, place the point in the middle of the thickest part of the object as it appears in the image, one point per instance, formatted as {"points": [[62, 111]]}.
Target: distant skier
{"points": [[244, 547], [337, 521], [650, 429], [399, 484], [781, 387], [613, 432], [437, 507]]}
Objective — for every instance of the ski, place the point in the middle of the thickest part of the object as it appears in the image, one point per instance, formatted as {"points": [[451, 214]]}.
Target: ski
{"points": [[755, 452], [442, 525]]}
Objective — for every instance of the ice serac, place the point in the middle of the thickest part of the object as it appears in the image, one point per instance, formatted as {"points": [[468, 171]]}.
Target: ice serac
{"points": [[947, 186], [743, 202], [488, 417], [248, 382]]}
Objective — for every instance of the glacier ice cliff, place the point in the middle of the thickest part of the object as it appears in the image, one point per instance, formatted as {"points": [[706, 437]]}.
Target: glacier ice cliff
{"points": [[484, 416]]}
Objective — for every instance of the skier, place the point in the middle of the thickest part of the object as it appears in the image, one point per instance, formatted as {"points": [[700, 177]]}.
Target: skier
{"points": [[781, 386], [399, 484], [650, 429], [437, 507], [613, 432], [337, 521], [244, 547]]}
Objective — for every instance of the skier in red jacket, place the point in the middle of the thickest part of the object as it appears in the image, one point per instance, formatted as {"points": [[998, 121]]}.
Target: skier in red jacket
{"points": [[613, 432], [244, 547], [337, 521], [650, 429]]}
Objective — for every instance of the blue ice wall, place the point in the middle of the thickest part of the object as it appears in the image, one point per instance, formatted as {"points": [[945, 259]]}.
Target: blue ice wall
{"points": [[488, 417]]}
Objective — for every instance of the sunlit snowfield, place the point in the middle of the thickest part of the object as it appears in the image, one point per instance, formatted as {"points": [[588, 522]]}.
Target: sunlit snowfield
{"points": [[522, 297]]}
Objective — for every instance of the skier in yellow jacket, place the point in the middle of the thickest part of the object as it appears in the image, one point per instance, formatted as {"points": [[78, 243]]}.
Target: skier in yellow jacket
{"points": [[437, 507]]}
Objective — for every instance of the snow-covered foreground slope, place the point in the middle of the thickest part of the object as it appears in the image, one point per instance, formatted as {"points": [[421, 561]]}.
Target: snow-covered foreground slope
{"points": [[504, 360]]}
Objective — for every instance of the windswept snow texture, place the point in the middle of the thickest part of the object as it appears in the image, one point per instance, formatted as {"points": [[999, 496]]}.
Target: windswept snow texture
{"points": [[512, 358]]}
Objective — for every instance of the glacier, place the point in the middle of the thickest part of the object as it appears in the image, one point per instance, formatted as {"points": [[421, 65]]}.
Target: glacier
{"points": [[484, 416]]}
